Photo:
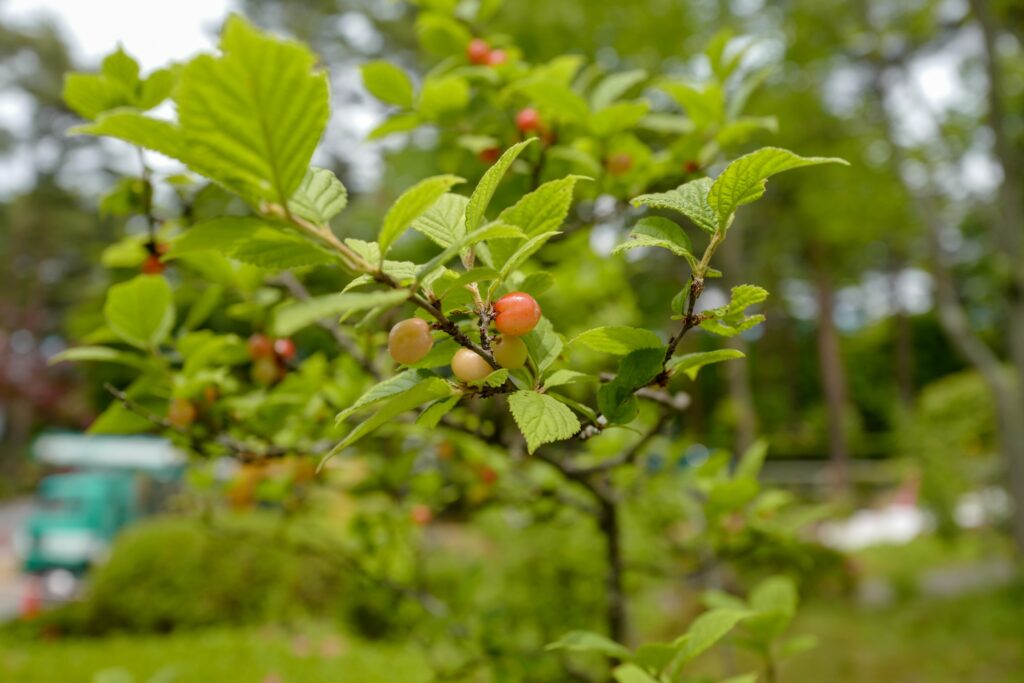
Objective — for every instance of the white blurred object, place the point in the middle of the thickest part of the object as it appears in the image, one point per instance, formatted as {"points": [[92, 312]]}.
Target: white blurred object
{"points": [[893, 524]]}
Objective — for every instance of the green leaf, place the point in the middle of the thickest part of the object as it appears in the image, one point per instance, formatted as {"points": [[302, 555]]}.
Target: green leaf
{"points": [[631, 673], [561, 378], [320, 196], [424, 392], [638, 368], [292, 317], [543, 210], [252, 117], [143, 131], [392, 386], [731, 319], [491, 231], [705, 105], [399, 123], [691, 363], [543, 344], [541, 418], [659, 232], [484, 190], [588, 641], [444, 223], [618, 118], [495, 379], [442, 95], [655, 656], [689, 199], [618, 340], [752, 460], [614, 86], [742, 678], [774, 600], [387, 83], [708, 629], [558, 101], [203, 307], [798, 645], [524, 252], [141, 310], [412, 204], [219, 234], [102, 354], [436, 411], [743, 181], [117, 85], [276, 250]]}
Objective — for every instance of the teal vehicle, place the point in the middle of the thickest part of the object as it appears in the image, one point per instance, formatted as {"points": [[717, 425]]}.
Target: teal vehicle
{"points": [[103, 484]]}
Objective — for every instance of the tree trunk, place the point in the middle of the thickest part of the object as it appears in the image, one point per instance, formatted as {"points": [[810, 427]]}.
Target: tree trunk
{"points": [[903, 339], [833, 375]]}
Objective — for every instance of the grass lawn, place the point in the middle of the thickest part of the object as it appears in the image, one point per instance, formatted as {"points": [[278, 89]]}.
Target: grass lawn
{"points": [[221, 656]]}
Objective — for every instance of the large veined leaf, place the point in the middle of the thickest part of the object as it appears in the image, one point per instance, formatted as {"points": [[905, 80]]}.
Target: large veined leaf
{"points": [[412, 204], [691, 363], [276, 250], [689, 199], [543, 210], [319, 197], [493, 231], [484, 190], [387, 83], [252, 117], [141, 310], [618, 340], [445, 222], [656, 231], [292, 317], [220, 234], [541, 418], [743, 181]]}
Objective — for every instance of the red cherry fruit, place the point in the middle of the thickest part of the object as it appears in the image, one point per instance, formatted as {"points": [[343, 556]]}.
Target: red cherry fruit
{"points": [[260, 346], [153, 265], [285, 349], [181, 413], [497, 57], [528, 120], [478, 51], [489, 155], [619, 164], [421, 515], [691, 166], [488, 475], [518, 313]]}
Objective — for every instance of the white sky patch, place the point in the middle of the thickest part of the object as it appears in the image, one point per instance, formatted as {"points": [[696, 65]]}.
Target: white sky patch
{"points": [[155, 33]]}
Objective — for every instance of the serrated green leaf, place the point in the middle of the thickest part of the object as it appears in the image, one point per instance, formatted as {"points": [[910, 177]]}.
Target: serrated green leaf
{"points": [[387, 83], [144, 131], [392, 386], [484, 190], [252, 117], [490, 232], [219, 234], [276, 250], [541, 418], [618, 340], [731, 319], [101, 354], [543, 344], [614, 86], [708, 629], [543, 210], [691, 363], [429, 390], [412, 204], [659, 232], [444, 223], [319, 197], [292, 317], [561, 378], [522, 253], [495, 379], [141, 310], [743, 181], [689, 199], [588, 641]]}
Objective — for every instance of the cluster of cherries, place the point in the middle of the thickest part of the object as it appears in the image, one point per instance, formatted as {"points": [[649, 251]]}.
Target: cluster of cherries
{"points": [[269, 357], [478, 51], [515, 315]]}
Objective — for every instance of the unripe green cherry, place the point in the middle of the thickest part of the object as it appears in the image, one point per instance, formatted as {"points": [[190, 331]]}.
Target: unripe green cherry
{"points": [[509, 351], [468, 366], [518, 313], [410, 341]]}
